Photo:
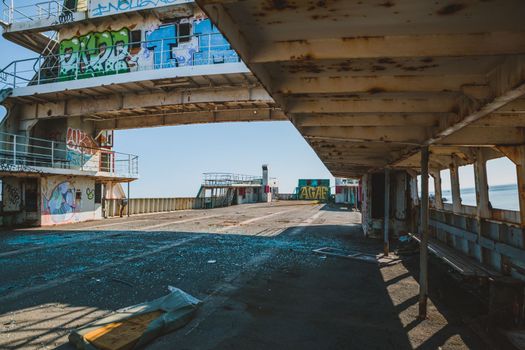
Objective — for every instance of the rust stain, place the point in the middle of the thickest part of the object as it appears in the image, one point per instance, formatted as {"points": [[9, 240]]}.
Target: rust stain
{"points": [[279, 5], [451, 9], [386, 60], [387, 4], [376, 90]]}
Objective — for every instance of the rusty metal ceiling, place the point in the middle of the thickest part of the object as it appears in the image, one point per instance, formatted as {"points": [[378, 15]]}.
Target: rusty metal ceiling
{"points": [[368, 82]]}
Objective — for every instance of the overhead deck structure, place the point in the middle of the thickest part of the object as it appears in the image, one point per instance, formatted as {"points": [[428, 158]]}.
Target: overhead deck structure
{"points": [[160, 65], [385, 78], [372, 85], [101, 67]]}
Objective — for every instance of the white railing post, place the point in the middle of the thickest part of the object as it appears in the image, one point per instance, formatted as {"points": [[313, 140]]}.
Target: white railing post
{"points": [[14, 149], [161, 54], [129, 164], [82, 159], [52, 154], [14, 75], [12, 12], [39, 70], [209, 49]]}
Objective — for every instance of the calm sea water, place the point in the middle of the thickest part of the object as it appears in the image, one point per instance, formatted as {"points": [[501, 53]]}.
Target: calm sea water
{"points": [[501, 197]]}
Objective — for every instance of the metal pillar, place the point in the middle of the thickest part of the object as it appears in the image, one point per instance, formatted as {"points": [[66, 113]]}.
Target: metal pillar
{"points": [[129, 199], [386, 244], [423, 265], [454, 184], [437, 190]]}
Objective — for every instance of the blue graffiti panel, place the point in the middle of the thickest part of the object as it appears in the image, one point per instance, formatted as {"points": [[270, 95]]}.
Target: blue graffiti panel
{"points": [[213, 47], [161, 42]]}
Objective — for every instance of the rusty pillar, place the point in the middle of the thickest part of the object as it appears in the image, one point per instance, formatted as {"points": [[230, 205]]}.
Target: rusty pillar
{"points": [[423, 274], [482, 187], [482, 196], [386, 244], [454, 184], [437, 189]]}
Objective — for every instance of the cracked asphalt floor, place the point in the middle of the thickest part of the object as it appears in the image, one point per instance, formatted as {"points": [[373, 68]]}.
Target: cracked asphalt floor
{"points": [[252, 265]]}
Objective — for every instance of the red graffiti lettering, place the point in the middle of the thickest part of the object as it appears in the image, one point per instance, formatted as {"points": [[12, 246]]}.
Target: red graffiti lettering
{"points": [[79, 141]]}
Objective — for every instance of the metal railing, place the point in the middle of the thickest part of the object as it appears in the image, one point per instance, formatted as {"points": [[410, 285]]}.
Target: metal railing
{"points": [[31, 154], [192, 50], [54, 10], [229, 179]]}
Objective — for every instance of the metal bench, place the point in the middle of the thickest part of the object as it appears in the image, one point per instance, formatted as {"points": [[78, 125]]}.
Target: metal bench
{"points": [[461, 263]]}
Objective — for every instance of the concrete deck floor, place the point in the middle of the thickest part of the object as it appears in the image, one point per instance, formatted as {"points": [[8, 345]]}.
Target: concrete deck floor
{"points": [[267, 290]]}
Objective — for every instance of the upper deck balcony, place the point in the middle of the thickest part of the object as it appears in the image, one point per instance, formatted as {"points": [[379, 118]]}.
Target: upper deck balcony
{"points": [[30, 25], [112, 62], [30, 155]]}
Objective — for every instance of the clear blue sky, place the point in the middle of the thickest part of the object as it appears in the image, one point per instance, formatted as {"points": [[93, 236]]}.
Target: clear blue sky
{"points": [[172, 159]]}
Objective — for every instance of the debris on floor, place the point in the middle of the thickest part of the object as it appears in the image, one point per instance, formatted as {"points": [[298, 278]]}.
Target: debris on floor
{"points": [[407, 246], [379, 259], [517, 338], [135, 326]]}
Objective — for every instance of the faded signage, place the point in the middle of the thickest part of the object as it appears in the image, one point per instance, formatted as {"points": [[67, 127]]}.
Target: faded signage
{"points": [[312, 189], [99, 8]]}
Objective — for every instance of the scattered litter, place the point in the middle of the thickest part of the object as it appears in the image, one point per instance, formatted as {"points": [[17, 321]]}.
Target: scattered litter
{"points": [[322, 257], [407, 246], [379, 259], [135, 326], [96, 279], [517, 338], [122, 281], [212, 261]]}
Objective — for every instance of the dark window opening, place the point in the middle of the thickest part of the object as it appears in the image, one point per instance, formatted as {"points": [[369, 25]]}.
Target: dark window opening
{"points": [[98, 193], [31, 195], [184, 32], [1, 195], [136, 38], [378, 196]]}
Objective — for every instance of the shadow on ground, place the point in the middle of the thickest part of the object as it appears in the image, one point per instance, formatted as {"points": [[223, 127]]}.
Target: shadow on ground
{"points": [[260, 293]]}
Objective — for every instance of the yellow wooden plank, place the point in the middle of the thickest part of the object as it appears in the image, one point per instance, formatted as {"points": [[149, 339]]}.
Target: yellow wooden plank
{"points": [[122, 335]]}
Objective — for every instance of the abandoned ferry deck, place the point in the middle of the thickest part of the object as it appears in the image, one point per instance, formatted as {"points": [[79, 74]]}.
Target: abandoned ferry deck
{"points": [[252, 265]]}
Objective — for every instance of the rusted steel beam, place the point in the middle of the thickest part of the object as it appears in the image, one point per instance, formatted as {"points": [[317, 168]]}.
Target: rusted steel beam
{"points": [[423, 262]]}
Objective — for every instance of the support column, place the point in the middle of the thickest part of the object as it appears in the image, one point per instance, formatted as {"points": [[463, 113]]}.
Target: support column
{"points": [[386, 244], [482, 197], [517, 155], [482, 187], [423, 255], [454, 184], [129, 199], [437, 189]]}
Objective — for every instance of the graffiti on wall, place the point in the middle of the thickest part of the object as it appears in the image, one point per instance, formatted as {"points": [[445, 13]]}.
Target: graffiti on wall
{"points": [[80, 147], [98, 8], [96, 54], [13, 195], [186, 42], [314, 189], [90, 193], [60, 204]]}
